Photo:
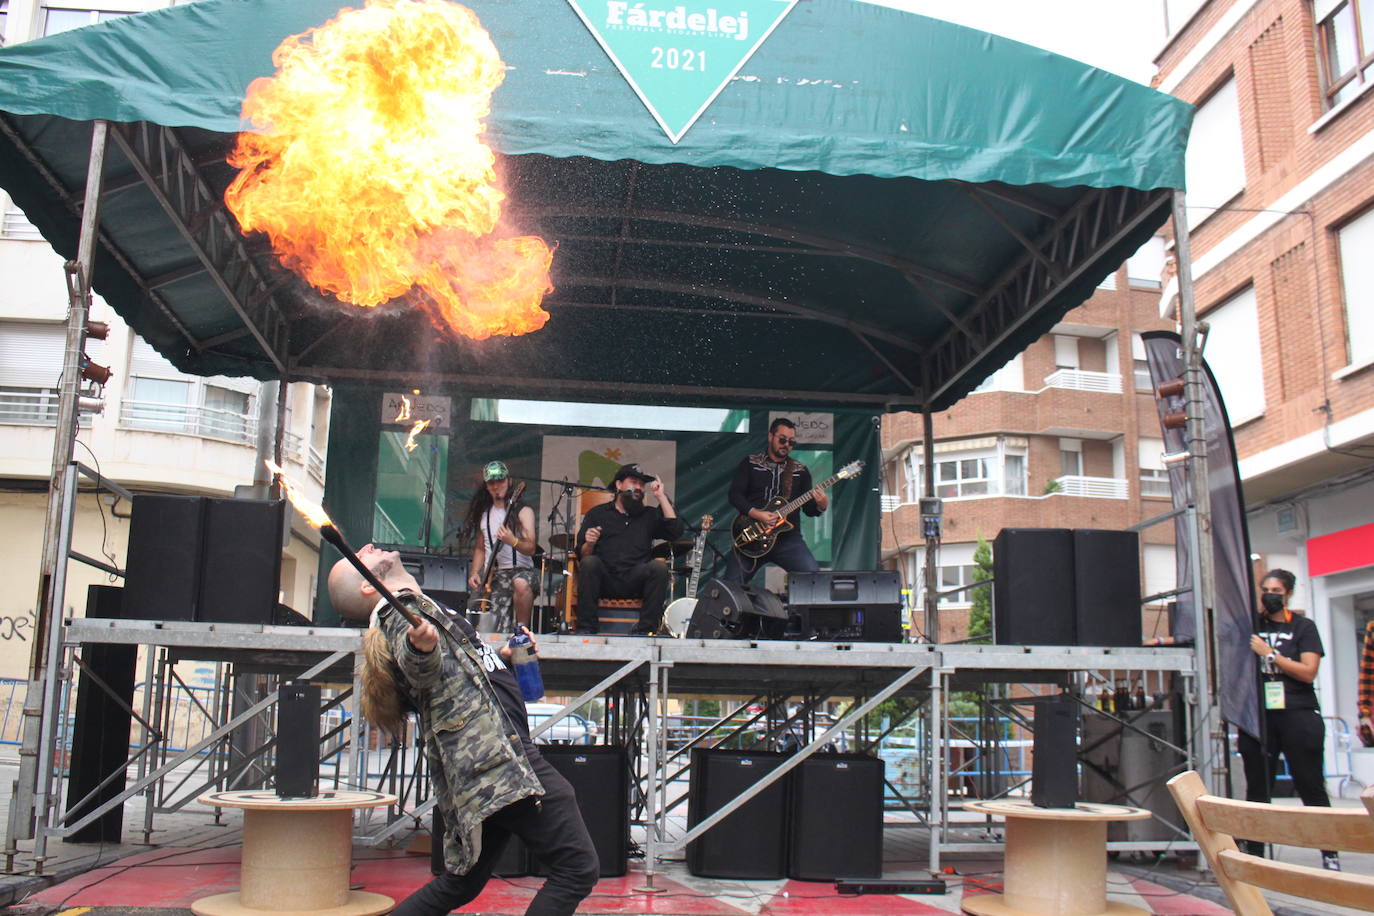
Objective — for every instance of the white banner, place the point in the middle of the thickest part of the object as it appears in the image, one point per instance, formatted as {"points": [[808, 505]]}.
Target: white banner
{"points": [[812, 428]]}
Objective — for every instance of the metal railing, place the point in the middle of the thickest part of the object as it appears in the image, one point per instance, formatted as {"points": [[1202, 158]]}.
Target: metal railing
{"points": [[1083, 380], [1093, 487], [207, 422], [31, 407], [314, 462], [1155, 486], [14, 225]]}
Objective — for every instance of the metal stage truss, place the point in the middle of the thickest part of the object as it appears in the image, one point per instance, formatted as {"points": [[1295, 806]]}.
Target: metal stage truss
{"points": [[777, 686]]}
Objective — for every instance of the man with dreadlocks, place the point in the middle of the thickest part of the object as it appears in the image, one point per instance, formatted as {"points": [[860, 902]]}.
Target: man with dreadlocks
{"points": [[503, 547], [489, 778]]}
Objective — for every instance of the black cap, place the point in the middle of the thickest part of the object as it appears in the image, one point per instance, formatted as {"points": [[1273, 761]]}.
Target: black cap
{"points": [[632, 470]]}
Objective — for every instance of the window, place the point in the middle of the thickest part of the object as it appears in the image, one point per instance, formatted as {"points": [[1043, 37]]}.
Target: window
{"points": [[1146, 266], [1215, 159], [1345, 46], [954, 577], [1357, 282], [1008, 378], [971, 467], [161, 399], [1071, 457], [1159, 569], [1140, 365], [57, 20], [1233, 352], [1065, 352], [962, 477], [31, 355], [1015, 475], [1154, 479]]}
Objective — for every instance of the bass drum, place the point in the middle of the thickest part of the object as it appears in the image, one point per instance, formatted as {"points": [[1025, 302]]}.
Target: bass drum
{"points": [[678, 614]]}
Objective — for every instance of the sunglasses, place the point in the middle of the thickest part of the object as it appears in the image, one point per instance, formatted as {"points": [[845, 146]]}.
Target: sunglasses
{"points": [[785, 441]]}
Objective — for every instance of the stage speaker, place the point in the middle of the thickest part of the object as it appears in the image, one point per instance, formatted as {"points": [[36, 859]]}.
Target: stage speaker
{"points": [[836, 823], [752, 841], [1107, 587], [846, 606], [162, 568], [1033, 587], [298, 740], [728, 610], [600, 775], [444, 577], [100, 735], [1054, 771], [241, 560]]}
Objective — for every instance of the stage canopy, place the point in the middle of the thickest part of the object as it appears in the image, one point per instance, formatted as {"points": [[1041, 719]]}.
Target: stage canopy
{"points": [[879, 209]]}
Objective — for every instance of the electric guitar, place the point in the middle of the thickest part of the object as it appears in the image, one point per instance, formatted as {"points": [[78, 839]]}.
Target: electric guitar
{"points": [[677, 614], [489, 567], [753, 539]]}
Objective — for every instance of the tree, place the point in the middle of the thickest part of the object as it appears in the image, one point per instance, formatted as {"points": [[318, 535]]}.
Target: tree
{"points": [[980, 615]]}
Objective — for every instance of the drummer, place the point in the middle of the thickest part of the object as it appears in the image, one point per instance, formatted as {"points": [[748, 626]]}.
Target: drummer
{"points": [[614, 551]]}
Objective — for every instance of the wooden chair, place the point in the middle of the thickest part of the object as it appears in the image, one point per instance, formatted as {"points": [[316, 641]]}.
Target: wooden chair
{"points": [[1216, 821]]}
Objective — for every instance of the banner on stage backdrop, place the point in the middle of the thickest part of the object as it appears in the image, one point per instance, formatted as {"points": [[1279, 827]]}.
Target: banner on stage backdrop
{"points": [[1234, 610], [591, 463]]}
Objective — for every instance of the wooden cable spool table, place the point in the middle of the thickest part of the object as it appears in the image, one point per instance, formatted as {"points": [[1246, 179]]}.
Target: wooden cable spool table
{"points": [[297, 853], [1056, 860]]}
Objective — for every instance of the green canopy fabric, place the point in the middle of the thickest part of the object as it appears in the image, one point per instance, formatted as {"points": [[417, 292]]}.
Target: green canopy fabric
{"points": [[880, 209]]}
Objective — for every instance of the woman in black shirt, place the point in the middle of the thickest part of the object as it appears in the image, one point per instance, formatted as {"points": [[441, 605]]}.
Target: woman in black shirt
{"points": [[1290, 652]]}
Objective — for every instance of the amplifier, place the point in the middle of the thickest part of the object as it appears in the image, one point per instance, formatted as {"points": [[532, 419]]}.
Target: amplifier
{"points": [[444, 577], [861, 606]]}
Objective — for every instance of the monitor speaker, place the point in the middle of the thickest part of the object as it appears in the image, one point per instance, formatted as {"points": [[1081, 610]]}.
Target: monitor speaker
{"points": [[1107, 587], [444, 577], [729, 610], [1054, 770], [846, 606], [1033, 587], [600, 775], [836, 823], [298, 740], [241, 560], [100, 735], [162, 568], [752, 841]]}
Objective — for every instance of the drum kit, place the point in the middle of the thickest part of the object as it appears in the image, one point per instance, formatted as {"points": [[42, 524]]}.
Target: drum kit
{"points": [[558, 581]]}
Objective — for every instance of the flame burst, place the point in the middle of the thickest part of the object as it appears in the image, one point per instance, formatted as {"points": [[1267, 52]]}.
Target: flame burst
{"points": [[404, 413], [313, 513], [415, 430], [369, 174]]}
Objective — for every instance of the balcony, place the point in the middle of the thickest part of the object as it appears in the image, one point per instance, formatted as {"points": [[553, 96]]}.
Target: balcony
{"points": [[1092, 487], [1082, 380], [184, 419], [31, 407]]}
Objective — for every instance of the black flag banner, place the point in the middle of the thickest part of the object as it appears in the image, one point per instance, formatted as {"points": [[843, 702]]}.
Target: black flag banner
{"points": [[1234, 611]]}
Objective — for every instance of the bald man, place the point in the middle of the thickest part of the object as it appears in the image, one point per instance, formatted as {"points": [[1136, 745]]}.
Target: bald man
{"points": [[490, 780]]}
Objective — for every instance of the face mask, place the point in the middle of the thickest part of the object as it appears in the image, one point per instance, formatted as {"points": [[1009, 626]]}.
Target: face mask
{"points": [[633, 501], [1271, 603]]}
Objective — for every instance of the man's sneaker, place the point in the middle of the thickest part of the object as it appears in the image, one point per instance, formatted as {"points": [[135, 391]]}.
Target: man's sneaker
{"points": [[1331, 861]]}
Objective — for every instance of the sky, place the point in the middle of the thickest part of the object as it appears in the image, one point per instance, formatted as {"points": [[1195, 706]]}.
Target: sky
{"points": [[1122, 36]]}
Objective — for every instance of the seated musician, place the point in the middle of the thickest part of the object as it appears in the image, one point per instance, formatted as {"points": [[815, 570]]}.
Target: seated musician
{"points": [[613, 547], [774, 477], [513, 578]]}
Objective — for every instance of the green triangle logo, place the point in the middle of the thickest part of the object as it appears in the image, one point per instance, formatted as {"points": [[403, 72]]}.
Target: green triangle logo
{"points": [[678, 55]]}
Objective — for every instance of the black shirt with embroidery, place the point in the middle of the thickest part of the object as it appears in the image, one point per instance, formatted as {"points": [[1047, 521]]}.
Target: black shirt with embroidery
{"points": [[1291, 639], [758, 479], [626, 540], [503, 682]]}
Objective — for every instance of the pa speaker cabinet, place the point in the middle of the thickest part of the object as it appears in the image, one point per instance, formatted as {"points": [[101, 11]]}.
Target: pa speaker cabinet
{"points": [[1107, 587], [162, 568], [298, 740], [1054, 771], [836, 823], [846, 606], [600, 775], [241, 574], [100, 736], [1033, 587], [728, 610], [752, 841]]}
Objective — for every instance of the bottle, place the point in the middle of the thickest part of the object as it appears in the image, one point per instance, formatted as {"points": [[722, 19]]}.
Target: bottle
{"points": [[1121, 700], [1138, 697], [526, 667]]}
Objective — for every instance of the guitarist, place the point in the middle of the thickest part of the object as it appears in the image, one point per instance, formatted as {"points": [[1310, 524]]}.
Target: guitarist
{"points": [[503, 549], [760, 479]]}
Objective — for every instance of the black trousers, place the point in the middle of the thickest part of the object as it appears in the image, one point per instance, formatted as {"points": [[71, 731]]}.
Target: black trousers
{"points": [[1300, 736], [550, 826], [648, 581]]}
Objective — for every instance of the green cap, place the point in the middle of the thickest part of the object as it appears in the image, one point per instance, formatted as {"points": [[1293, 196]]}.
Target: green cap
{"points": [[495, 470]]}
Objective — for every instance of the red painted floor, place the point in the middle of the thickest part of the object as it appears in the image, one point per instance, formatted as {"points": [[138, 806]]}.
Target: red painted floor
{"points": [[173, 878]]}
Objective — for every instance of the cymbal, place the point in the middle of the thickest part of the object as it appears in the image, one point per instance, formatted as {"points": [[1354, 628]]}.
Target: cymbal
{"points": [[560, 541], [673, 548]]}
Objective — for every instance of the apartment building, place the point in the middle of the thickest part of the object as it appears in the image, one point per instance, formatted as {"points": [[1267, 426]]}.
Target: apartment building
{"points": [[158, 430], [1064, 436], [1281, 193]]}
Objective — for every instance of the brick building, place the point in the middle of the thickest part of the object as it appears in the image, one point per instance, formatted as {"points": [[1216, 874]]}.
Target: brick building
{"points": [[1065, 435], [1281, 189]]}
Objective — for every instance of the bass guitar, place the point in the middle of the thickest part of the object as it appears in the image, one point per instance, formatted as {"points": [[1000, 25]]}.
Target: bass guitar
{"points": [[753, 538], [677, 614], [489, 566]]}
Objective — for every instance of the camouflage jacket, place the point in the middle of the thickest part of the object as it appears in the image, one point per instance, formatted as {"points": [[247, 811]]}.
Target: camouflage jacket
{"points": [[476, 761]]}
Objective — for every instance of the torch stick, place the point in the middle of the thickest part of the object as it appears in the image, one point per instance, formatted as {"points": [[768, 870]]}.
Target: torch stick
{"points": [[335, 536]]}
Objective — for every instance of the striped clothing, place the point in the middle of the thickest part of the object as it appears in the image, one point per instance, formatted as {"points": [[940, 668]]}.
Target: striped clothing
{"points": [[1367, 672]]}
